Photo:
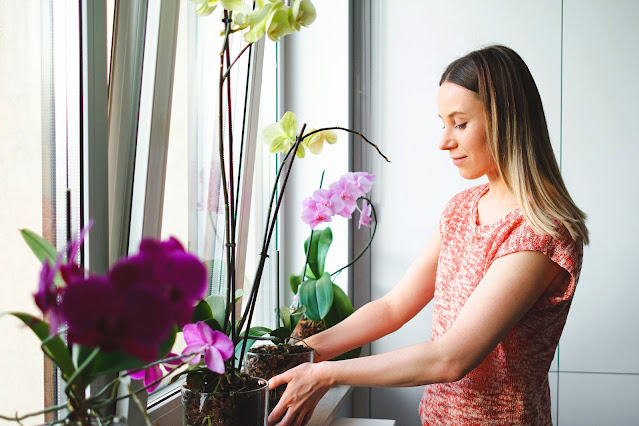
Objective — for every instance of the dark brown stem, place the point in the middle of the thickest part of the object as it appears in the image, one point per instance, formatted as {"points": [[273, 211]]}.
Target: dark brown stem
{"points": [[267, 239]]}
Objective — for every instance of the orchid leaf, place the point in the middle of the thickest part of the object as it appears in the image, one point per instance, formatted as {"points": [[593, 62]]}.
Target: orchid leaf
{"points": [[218, 307], [202, 312], [320, 243], [53, 346], [285, 316], [43, 249], [308, 298], [324, 292], [253, 331], [341, 309], [295, 281], [281, 334]]}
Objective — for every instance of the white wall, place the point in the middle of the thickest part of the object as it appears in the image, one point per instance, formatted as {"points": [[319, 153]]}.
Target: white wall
{"points": [[584, 59]]}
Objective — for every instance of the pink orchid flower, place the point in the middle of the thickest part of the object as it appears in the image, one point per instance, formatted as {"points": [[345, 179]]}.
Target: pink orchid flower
{"points": [[214, 345], [154, 373], [365, 215]]}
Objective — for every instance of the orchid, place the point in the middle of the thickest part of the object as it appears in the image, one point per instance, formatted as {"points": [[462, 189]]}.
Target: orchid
{"points": [[365, 215], [281, 135], [152, 376], [214, 345], [206, 7], [315, 142]]}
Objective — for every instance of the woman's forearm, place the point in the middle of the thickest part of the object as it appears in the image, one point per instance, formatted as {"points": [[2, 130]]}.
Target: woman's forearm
{"points": [[360, 328]]}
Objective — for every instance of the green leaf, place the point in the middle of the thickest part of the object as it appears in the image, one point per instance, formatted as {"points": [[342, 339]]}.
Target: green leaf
{"points": [[324, 292], [295, 281], [42, 249], [253, 331], [321, 242], [308, 298], [218, 307], [53, 346], [341, 309], [281, 334], [285, 316], [202, 311]]}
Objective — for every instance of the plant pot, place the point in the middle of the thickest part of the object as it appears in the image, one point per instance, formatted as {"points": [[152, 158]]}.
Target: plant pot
{"points": [[268, 361], [306, 328], [243, 407]]}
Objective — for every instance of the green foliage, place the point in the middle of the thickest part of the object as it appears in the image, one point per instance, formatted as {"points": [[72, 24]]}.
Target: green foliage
{"points": [[42, 249]]}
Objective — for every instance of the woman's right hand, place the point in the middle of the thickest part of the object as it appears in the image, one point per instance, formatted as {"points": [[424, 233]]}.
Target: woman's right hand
{"points": [[306, 384]]}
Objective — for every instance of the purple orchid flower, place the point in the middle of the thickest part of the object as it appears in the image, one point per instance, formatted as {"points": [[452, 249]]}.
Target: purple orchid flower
{"points": [[214, 345], [47, 296], [365, 215], [164, 265], [153, 374], [71, 271]]}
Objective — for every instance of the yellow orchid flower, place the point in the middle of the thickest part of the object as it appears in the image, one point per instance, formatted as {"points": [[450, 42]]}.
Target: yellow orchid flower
{"points": [[282, 135], [315, 142]]}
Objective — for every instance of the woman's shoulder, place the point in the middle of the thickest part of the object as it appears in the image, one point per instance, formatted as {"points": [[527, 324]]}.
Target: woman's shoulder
{"points": [[465, 197]]}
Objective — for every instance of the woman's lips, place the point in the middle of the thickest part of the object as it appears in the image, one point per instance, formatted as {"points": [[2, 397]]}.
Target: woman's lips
{"points": [[458, 160]]}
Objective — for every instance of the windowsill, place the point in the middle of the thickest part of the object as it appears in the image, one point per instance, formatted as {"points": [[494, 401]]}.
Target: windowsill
{"points": [[169, 413], [329, 405]]}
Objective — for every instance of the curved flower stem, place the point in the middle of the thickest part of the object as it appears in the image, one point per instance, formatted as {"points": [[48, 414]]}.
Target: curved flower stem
{"points": [[367, 245], [228, 70], [349, 131]]}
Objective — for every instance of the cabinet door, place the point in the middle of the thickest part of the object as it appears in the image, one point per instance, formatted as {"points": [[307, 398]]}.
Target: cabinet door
{"points": [[600, 154]]}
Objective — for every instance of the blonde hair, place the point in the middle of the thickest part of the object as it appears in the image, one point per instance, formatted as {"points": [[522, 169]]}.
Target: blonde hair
{"points": [[518, 138]]}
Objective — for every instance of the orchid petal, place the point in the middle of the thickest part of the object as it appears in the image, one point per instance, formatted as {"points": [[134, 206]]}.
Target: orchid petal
{"points": [[289, 125], [279, 25], [213, 360]]}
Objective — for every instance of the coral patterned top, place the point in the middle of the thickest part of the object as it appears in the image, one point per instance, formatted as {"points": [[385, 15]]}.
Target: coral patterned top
{"points": [[511, 385]]}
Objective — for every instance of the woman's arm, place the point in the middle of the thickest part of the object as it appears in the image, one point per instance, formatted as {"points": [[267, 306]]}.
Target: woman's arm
{"points": [[508, 290], [383, 316]]}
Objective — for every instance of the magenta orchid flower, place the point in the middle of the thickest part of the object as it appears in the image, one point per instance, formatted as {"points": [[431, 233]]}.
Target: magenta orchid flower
{"points": [[47, 296], [203, 340], [151, 376], [365, 215]]}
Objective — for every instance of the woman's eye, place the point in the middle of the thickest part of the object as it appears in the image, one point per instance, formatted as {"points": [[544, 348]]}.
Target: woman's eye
{"points": [[460, 125]]}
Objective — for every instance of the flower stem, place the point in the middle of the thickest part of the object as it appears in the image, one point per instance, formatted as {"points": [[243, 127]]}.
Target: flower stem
{"points": [[367, 245]]}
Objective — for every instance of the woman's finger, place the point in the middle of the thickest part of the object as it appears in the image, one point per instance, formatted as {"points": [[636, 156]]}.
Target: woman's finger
{"points": [[278, 412], [277, 380]]}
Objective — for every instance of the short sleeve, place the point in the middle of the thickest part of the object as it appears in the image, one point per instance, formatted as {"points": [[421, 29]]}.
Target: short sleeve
{"points": [[562, 250]]}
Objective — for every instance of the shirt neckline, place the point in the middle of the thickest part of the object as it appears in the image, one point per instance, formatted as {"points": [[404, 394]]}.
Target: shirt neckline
{"points": [[475, 212]]}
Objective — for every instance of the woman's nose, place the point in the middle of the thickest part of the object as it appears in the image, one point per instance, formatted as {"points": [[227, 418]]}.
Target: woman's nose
{"points": [[446, 142]]}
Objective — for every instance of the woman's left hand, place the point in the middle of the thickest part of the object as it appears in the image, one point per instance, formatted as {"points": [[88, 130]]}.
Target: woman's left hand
{"points": [[305, 387]]}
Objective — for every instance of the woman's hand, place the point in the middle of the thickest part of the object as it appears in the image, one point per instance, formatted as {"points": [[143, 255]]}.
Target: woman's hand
{"points": [[306, 385]]}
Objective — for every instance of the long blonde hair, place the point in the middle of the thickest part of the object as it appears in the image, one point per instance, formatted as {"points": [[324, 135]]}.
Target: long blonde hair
{"points": [[518, 137]]}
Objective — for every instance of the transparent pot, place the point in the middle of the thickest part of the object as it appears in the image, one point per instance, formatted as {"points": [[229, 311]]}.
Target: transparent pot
{"points": [[246, 408], [274, 361]]}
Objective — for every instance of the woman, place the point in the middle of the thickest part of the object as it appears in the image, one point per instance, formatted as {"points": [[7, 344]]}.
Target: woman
{"points": [[502, 269]]}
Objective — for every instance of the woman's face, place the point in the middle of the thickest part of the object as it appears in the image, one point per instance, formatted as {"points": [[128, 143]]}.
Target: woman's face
{"points": [[464, 134]]}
